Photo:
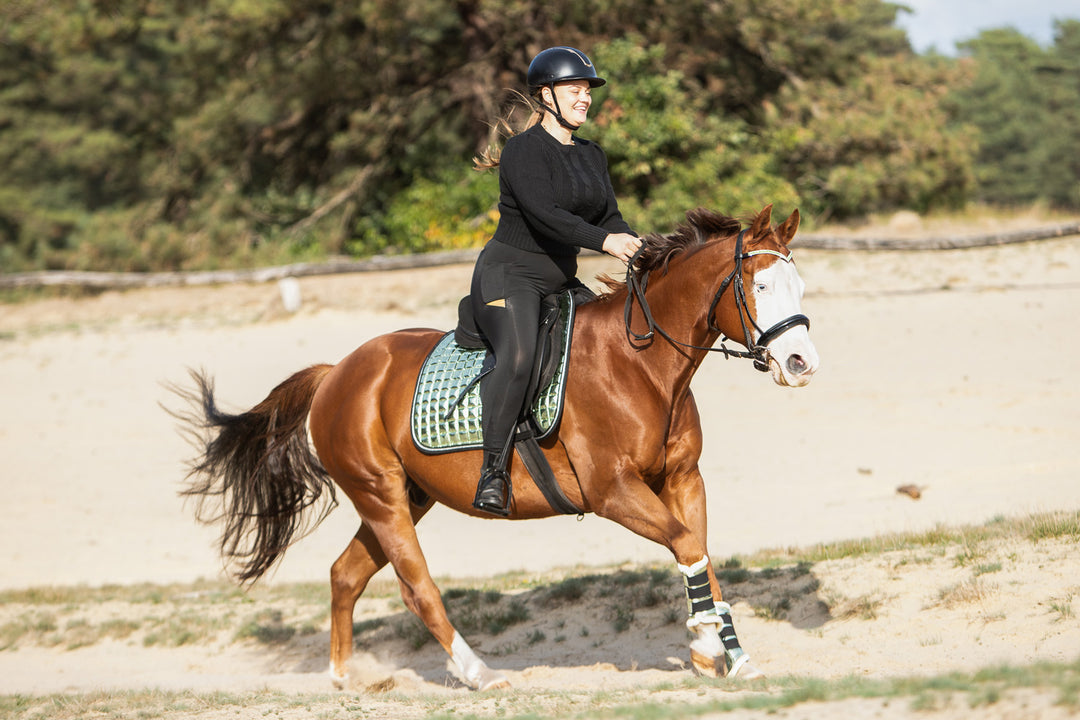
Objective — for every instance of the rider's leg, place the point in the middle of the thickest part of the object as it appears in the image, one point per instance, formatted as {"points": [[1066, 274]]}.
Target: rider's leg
{"points": [[510, 324], [507, 287]]}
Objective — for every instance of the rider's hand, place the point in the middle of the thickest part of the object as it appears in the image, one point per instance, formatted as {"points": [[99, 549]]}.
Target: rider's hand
{"points": [[621, 245]]}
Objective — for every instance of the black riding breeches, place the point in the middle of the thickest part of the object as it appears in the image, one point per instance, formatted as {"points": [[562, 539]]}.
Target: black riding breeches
{"points": [[508, 286]]}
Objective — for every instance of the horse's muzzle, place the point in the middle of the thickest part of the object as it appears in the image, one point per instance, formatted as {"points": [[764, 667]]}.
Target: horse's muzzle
{"points": [[795, 370]]}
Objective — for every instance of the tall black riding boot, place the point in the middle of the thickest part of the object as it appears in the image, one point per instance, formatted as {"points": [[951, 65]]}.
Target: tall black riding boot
{"points": [[493, 492]]}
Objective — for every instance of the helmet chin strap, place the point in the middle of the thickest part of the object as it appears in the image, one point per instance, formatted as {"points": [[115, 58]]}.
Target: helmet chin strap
{"points": [[556, 112]]}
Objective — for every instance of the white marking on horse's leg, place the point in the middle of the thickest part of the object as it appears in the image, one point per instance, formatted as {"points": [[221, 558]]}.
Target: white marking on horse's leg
{"points": [[339, 680], [476, 673], [705, 648]]}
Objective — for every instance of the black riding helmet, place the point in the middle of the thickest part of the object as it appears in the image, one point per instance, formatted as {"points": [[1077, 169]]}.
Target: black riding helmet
{"points": [[556, 65], [560, 64]]}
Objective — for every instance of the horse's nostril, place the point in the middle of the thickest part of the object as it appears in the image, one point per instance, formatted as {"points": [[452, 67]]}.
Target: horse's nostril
{"points": [[796, 365]]}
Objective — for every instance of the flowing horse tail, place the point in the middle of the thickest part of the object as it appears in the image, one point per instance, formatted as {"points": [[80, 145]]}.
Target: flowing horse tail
{"points": [[257, 472]]}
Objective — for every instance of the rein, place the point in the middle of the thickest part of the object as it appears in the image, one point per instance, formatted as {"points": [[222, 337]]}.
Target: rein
{"points": [[758, 352]]}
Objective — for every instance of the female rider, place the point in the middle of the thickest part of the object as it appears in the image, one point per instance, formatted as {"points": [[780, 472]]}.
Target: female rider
{"points": [[555, 198]]}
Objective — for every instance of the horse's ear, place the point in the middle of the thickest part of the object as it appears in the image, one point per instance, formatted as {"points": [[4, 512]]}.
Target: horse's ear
{"points": [[786, 229], [761, 222]]}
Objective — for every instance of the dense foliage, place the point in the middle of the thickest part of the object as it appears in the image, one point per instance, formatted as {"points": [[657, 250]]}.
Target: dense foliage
{"points": [[1025, 101], [169, 134]]}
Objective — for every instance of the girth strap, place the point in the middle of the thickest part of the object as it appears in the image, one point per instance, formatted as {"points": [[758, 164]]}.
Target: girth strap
{"points": [[542, 474]]}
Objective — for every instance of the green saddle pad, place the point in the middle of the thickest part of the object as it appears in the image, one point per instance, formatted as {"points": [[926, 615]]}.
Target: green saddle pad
{"points": [[447, 412]]}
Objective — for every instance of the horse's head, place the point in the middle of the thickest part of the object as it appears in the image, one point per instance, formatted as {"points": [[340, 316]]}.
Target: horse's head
{"points": [[779, 332], [758, 303]]}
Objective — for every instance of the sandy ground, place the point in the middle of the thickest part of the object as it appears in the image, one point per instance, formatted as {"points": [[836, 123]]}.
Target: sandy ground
{"points": [[953, 370]]}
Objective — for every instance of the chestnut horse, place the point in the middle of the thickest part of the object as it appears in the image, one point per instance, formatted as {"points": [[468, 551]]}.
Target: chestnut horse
{"points": [[627, 447]]}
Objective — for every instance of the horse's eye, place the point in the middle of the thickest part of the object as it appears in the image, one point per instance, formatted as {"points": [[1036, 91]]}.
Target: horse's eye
{"points": [[761, 287]]}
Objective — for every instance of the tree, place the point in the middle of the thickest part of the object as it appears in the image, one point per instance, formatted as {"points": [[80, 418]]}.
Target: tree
{"points": [[1025, 102], [138, 134], [878, 142]]}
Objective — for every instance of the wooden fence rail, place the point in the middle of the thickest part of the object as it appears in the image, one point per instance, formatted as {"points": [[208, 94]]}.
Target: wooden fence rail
{"points": [[817, 241]]}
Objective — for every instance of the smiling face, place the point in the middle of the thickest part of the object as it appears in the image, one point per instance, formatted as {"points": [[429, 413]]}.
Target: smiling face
{"points": [[574, 99]]}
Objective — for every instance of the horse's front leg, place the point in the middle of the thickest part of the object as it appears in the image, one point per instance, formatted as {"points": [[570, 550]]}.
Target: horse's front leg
{"points": [[715, 649], [636, 507]]}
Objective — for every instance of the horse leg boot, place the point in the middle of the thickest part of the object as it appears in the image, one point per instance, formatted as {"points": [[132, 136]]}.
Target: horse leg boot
{"points": [[711, 622]]}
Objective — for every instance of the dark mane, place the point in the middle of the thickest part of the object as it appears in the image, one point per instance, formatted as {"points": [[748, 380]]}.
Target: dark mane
{"points": [[701, 226]]}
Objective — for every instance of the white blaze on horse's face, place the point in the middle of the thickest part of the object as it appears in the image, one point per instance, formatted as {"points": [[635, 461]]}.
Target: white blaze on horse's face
{"points": [[778, 292]]}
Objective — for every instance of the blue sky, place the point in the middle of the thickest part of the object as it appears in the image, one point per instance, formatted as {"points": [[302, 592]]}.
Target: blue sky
{"points": [[941, 23]]}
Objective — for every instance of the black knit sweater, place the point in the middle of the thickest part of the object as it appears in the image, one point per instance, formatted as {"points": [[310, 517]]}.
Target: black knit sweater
{"points": [[555, 198]]}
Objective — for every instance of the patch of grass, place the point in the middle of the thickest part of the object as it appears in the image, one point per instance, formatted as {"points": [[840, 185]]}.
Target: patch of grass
{"points": [[1063, 608], [986, 687], [1033, 527], [359, 628], [970, 591], [733, 576], [459, 593], [472, 610], [986, 569], [268, 627], [865, 607], [568, 590], [185, 628], [80, 632], [201, 592], [969, 554], [515, 612], [28, 626], [622, 618], [775, 609], [1052, 525], [140, 593], [414, 632]]}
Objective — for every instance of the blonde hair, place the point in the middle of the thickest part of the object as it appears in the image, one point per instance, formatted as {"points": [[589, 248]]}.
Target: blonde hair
{"points": [[503, 129]]}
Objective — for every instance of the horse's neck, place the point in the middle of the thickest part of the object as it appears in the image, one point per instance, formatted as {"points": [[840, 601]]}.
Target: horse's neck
{"points": [[679, 302]]}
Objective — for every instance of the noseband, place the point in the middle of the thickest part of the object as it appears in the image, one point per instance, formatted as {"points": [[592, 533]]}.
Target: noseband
{"points": [[758, 352]]}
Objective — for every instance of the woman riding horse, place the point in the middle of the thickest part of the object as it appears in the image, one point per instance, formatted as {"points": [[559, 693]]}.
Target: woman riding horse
{"points": [[264, 473], [555, 198]]}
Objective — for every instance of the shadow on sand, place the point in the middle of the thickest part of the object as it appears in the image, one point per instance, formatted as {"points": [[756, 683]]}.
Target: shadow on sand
{"points": [[629, 619]]}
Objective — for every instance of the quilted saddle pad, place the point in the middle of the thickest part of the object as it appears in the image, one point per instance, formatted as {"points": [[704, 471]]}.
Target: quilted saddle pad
{"points": [[447, 411]]}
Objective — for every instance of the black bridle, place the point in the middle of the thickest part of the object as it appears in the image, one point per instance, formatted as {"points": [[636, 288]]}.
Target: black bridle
{"points": [[759, 352]]}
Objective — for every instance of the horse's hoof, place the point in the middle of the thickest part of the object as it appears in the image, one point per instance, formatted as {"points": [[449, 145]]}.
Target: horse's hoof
{"points": [[491, 680], [339, 681], [704, 665]]}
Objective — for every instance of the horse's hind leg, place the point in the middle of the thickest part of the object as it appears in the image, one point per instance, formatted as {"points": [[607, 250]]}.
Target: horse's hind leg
{"points": [[349, 576], [391, 525]]}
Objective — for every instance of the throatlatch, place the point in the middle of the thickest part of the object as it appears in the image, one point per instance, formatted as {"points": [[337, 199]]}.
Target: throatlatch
{"points": [[703, 610]]}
